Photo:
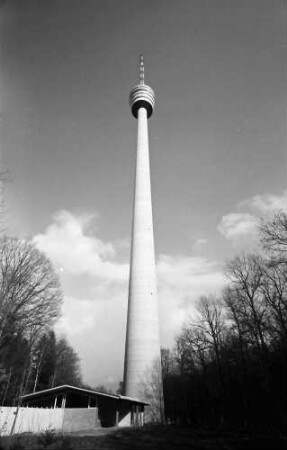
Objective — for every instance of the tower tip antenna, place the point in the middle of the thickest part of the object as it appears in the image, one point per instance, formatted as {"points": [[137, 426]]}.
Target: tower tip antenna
{"points": [[141, 69]]}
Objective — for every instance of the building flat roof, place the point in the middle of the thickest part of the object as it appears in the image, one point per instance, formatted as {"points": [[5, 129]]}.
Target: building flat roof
{"points": [[66, 388]]}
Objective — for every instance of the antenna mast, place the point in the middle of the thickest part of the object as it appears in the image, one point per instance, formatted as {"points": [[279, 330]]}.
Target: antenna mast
{"points": [[141, 69]]}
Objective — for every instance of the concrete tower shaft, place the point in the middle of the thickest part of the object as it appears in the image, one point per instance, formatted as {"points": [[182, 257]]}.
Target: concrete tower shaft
{"points": [[142, 355]]}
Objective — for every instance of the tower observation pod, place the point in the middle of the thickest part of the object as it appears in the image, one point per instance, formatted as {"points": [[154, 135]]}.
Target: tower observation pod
{"points": [[142, 371]]}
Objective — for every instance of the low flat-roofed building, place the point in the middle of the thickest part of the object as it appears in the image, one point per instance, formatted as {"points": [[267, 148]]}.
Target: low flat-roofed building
{"points": [[86, 409]]}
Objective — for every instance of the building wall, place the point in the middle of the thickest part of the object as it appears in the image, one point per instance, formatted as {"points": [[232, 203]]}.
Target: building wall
{"points": [[35, 420], [80, 419], [38, 420]]}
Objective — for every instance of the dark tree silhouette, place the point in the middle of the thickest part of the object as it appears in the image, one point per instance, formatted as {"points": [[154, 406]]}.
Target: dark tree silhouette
{"points": [[30, 300], [67, 368], [229, 362]]}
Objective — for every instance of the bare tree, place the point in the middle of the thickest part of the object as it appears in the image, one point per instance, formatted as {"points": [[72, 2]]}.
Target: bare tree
{"points": [[235, 353], [246, 274], [273, 234], [211, 322], [30, 300], [152, 392], [192, 348], [274, 290], [30, 294], [239, 330]]}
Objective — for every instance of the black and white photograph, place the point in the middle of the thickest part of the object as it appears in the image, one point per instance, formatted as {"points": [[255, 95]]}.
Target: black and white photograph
{"points": [[143, 224]]}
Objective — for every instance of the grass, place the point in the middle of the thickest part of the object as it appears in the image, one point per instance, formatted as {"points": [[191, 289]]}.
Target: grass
{"points": [[149, 438]]}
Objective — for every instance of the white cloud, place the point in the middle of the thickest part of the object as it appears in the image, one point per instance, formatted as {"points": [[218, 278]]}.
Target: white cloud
{"points": [[237, 225], [266, 203], [181, 281], [199, 244], [243, 223], [96, 330], [73, 249], [95, 284]]}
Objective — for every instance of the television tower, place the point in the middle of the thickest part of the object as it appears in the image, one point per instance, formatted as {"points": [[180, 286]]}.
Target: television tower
{"points": [[142, 369]]}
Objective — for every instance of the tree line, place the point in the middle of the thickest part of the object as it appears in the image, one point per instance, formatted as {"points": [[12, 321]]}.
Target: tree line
{"points": [[31, 356], [229, 364]]}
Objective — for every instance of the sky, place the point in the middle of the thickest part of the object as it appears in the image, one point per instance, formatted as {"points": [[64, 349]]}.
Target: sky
{"points": [[68, 139]]}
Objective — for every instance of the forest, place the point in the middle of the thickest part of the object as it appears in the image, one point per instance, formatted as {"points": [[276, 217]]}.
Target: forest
{"points": [[31, 356], [228, 368]]}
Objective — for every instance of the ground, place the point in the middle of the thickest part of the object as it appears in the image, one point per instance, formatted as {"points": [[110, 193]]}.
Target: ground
{"points": [[152, 438]]}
